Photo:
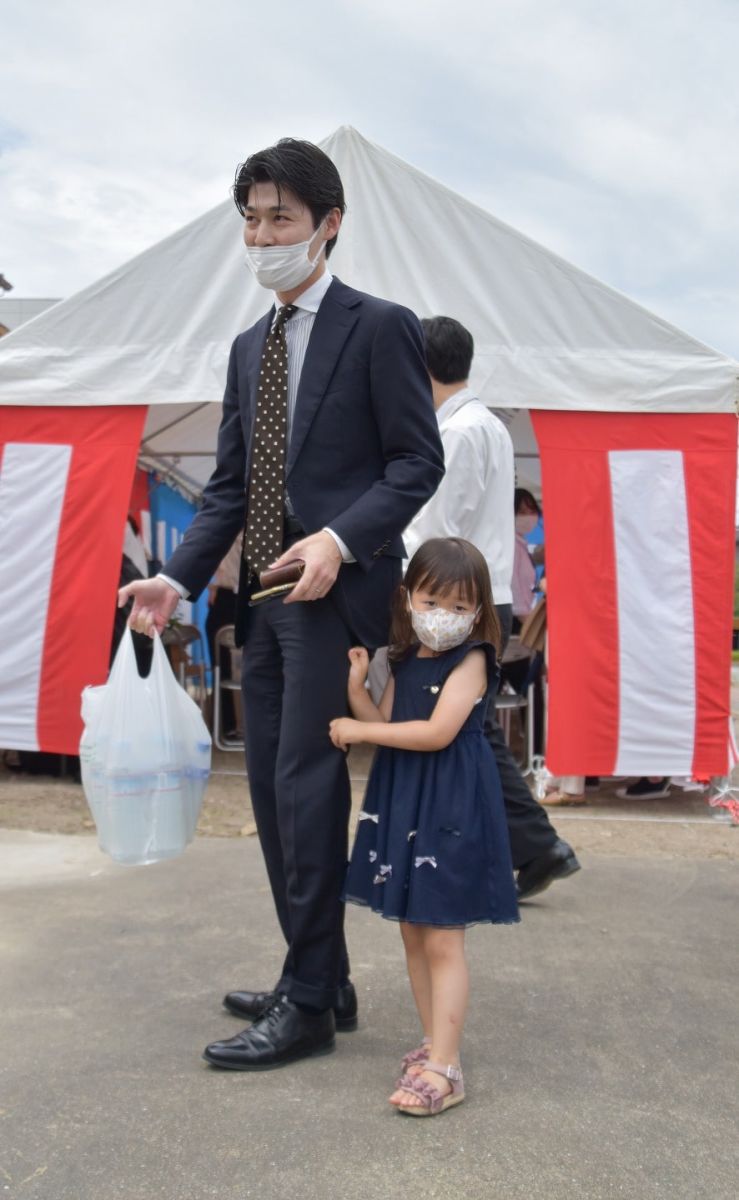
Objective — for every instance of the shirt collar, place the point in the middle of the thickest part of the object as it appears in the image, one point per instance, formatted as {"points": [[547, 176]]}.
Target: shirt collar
{"points": [[310, 299], [454, 402]]}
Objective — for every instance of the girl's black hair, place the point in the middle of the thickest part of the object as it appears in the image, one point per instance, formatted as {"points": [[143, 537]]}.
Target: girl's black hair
{"points": [[440, 565]]}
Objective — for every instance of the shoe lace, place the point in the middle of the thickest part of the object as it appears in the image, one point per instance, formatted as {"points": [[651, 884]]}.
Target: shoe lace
{"points": [[273, 1011]]}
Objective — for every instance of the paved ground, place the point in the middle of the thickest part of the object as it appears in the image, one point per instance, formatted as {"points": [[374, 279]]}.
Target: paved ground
{"points": [[600, 1056]]}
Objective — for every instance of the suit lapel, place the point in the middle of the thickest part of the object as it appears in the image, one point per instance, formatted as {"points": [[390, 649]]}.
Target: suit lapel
{"points": [[334, 321], [254, 348]]}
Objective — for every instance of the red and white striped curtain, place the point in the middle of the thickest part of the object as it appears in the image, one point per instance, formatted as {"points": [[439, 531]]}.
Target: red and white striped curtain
{"points": [[639, 518], [65, 484]]}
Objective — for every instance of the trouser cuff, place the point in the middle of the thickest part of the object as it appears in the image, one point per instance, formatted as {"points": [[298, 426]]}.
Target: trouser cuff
{"points": [[319, 998]]}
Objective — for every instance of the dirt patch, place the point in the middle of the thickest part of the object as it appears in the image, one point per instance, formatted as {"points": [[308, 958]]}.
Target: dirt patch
{"points": [[680, 826]]}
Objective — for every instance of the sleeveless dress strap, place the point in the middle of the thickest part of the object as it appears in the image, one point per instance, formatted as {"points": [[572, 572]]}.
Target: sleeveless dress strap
{"points": [[453, 658]]}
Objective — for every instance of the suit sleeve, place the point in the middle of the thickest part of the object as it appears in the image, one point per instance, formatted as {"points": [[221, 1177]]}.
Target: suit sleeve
{"points": [[216, 525], [409, 436]]}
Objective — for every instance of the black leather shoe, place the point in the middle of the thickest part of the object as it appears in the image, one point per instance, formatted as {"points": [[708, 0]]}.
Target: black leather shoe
{"points": [[536, 876], [251, 1005], [283, 1034], [248, 1004]]}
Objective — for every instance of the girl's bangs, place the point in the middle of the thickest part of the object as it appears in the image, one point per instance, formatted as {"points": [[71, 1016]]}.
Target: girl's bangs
{"points": [[443, 578]]}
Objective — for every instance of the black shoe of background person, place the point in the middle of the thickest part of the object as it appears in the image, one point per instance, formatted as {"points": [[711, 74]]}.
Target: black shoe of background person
{"points": [[645, 789], [536, 876], [283, 1034], [251, 1005]]}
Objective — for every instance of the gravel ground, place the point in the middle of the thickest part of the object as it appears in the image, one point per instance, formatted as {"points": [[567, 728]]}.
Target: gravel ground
{"points": [[680, 826]]}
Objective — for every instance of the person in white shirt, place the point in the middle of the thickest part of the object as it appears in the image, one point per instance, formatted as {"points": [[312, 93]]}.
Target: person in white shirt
{"points": [[479, 482], [475, 501]]}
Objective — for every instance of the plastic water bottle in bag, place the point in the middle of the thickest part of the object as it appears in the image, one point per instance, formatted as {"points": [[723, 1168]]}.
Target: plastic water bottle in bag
{"points": [[145, 759]]}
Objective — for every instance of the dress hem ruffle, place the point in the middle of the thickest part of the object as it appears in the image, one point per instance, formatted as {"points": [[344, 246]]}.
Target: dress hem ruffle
{"points": [[436, 924]]}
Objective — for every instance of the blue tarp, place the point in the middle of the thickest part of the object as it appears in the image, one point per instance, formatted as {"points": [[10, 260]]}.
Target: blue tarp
{"points": [[171, 515]]}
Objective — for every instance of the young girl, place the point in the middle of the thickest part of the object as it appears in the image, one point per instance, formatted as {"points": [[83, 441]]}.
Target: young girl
{"points": [[432, 845]]}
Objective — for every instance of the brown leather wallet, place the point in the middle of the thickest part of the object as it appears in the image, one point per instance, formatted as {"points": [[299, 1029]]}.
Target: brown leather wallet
{"points": [[277, 581]]}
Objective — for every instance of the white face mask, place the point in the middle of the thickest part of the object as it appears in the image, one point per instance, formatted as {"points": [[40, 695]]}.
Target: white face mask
{"points": [[281, 268], [439, 629]]}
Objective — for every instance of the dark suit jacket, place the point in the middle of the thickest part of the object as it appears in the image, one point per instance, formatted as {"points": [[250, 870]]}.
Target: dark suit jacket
{"points": [[364, 452]]}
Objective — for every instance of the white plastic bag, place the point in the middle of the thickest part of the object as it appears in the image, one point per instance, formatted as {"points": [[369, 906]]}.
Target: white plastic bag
{"points": [[145, 759]]}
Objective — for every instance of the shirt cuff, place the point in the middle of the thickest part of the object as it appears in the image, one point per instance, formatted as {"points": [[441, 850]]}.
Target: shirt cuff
{"points": [[346, 554], [182, 591]]}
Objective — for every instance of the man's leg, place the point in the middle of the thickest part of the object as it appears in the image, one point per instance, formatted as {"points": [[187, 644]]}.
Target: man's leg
{"points": [[312, 797], [262, 687], [530, 831], [529, 828], [302, 800], [536, 850]]}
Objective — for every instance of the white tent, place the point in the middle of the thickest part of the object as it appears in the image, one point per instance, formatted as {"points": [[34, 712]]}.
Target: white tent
{"points": [[157, 330], [638, 460]]}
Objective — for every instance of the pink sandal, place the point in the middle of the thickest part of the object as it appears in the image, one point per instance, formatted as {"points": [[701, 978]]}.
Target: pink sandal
{"points": [[432, 1100], [415, 1057]]}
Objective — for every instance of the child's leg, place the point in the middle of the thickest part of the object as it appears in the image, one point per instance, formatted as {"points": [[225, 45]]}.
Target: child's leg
{"points": [[443, 952], [418, 971], [449, 991]]}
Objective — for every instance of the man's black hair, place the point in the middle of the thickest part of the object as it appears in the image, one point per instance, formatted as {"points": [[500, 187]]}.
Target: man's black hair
{"points": [[298, 167], [449, 349]]}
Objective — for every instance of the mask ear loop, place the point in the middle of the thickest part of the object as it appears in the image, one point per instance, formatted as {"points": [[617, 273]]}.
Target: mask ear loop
{"points": [[313, 260]]}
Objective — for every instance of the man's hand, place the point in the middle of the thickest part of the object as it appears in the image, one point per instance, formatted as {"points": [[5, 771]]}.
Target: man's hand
{"points": [[344, 732], [322, 559], [154, 601]]}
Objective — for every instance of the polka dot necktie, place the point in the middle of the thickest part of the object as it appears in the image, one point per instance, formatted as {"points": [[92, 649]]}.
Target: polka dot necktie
{"points": [[265, 510]]}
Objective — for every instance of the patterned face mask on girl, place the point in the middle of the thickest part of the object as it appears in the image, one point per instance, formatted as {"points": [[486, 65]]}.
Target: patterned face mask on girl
{"points": [[439, 629]]}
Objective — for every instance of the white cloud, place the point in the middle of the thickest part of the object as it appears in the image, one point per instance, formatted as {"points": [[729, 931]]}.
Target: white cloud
{"points": [[604, 131]]}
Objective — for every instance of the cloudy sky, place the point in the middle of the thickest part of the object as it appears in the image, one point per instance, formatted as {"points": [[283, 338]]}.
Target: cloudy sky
{"points": [[607, 131]]}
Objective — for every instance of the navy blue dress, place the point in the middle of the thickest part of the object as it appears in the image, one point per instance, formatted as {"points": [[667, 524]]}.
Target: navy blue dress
{"points": [[432, 842]]}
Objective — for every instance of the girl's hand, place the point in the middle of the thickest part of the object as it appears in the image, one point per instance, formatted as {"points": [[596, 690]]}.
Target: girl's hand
{"points": [[359, 660], [344, 732]]}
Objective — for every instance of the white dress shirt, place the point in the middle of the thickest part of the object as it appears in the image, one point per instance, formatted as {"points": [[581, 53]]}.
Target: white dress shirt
{"points": [[475, 498], [297, 333]]}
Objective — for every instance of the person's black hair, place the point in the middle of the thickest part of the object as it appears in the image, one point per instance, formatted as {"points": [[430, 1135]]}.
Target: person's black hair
{"points": [[298, 167], [449, 349], [525, 501]]}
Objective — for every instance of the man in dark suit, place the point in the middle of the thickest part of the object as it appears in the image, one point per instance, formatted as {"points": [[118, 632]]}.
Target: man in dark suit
{"points": [[328, 447]]}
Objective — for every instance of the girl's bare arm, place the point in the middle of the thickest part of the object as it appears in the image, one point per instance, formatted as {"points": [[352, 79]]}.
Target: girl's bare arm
{"points": [[363, 706], [466, 684], [360, 701]]}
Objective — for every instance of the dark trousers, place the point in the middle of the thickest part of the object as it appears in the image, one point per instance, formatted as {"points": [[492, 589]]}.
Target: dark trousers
{"points": [[295, 671], [529, 828]]}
